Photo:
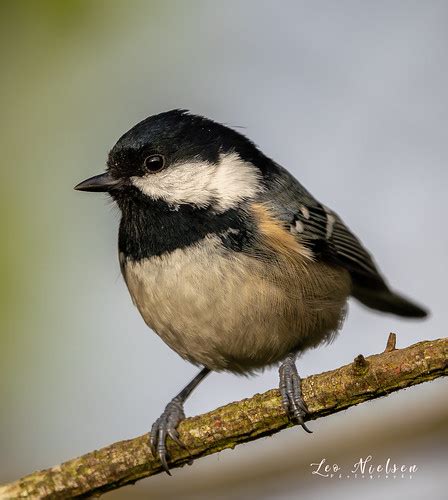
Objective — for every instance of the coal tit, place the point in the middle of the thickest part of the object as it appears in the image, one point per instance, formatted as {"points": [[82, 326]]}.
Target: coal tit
{"points": [[228, 258]]}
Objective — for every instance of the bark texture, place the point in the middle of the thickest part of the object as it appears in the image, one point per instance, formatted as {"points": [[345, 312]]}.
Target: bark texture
{"points": [[128, 461]]}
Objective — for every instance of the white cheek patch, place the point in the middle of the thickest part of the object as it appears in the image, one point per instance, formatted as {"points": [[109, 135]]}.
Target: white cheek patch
{"points": [[187, 183], [199, 183]]}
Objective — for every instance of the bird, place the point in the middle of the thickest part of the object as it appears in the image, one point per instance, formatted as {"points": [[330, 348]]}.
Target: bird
{"points": [[229, 259]]}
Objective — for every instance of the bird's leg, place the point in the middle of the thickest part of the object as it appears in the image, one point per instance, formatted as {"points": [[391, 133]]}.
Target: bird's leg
{"points": [[291, 390], [166, 424]]}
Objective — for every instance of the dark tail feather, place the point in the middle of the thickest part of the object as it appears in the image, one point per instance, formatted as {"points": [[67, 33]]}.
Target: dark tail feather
{"points": [[388, 301]]}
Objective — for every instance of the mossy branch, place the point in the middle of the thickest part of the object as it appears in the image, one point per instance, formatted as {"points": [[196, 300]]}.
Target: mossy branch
{"points": [[128, 461]]}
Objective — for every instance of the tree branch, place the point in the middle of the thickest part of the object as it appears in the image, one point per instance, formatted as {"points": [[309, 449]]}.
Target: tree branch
{"points": [[126, 462]]}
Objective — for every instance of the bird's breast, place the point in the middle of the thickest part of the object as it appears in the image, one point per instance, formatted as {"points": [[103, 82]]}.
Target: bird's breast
{"points": [[229, 311]]}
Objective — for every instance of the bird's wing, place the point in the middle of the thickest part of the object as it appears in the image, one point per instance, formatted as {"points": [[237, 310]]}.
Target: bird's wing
{"points": [[320, 229], [326, 236]]}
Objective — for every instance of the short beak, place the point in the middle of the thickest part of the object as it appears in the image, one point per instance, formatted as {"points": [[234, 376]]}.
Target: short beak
{"points": [[102, 183]]}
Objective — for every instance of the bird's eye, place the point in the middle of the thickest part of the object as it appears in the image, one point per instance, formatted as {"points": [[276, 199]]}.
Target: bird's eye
{"points": [[154, 163]]}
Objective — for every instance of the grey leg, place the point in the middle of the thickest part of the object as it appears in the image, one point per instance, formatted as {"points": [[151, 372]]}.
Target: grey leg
{"points": [[166, 424], [291, 390]]}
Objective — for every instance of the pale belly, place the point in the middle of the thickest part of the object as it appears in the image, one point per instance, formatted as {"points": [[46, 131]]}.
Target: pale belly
{"points": [[232, 312]]}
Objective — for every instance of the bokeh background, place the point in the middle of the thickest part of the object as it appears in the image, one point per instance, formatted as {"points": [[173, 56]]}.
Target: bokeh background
{"points": [[351, 96]]}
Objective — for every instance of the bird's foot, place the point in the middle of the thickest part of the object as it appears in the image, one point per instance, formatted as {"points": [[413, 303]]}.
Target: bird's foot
{"points": [[291, 391], [165, 426]]}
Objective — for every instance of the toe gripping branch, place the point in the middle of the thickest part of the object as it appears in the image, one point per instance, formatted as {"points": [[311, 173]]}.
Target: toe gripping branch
{"points": [[291, 391], [165, 426]]}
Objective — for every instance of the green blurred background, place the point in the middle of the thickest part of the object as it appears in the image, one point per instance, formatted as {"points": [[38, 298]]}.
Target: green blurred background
{"points": [[350, 96]]}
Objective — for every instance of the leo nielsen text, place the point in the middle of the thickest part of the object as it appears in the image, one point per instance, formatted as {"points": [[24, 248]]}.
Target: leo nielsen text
{"points": [[364, 467]]}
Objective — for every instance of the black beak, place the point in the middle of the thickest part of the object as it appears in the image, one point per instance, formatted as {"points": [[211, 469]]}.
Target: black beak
{"points": [[102, 183]]}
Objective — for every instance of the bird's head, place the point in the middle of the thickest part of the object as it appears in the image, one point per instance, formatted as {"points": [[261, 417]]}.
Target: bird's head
{"points": [[181, 159]]}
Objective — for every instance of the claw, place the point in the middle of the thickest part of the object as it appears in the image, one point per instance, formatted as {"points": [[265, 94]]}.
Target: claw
{"points": [[165, 426], [153, 439], [174, 435], [162, 458], [291, 392], [305, 428]]}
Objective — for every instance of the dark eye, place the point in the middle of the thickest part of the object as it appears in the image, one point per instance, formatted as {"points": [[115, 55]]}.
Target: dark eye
{"points": [[154, 163]]}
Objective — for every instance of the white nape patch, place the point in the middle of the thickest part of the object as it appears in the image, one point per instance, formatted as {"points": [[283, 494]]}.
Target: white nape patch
{"points": [[200, 183], [234, 180]]}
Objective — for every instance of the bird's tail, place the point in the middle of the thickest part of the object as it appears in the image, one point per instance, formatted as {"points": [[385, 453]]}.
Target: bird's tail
{"points": [[386, 300]]}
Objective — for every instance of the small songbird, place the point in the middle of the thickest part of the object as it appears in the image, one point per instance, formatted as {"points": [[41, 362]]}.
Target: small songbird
{"points": [[228, 258]]}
